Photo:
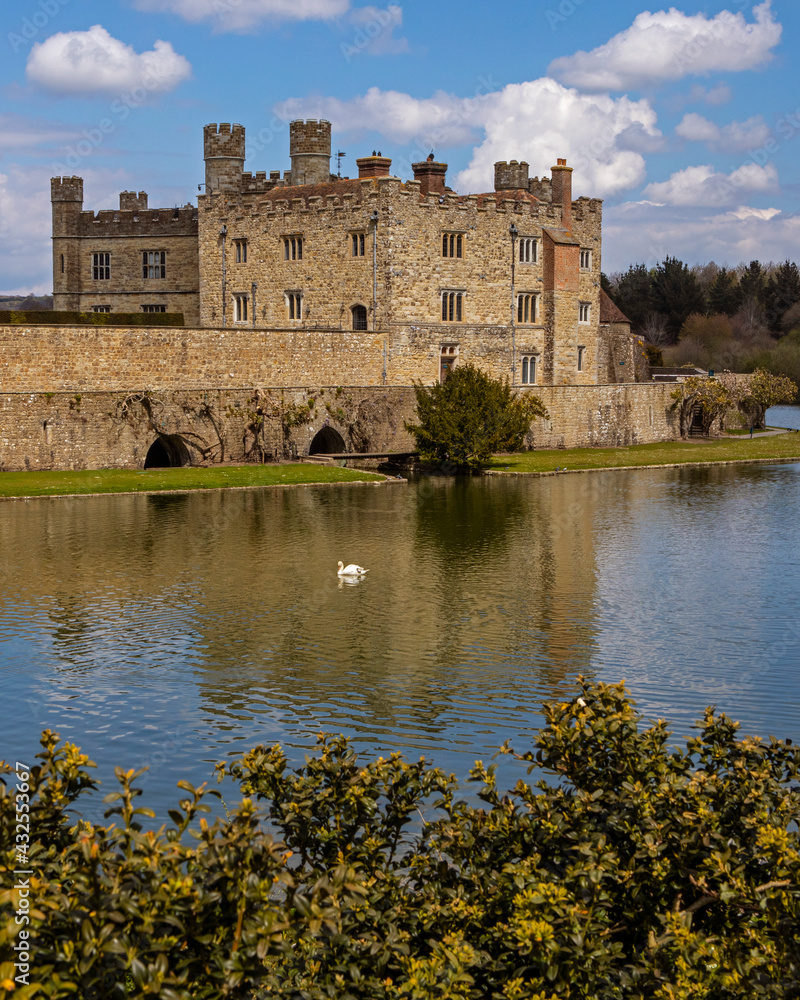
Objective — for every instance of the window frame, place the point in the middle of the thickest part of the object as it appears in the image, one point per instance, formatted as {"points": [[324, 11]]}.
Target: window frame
{"points": [[359, 306], [240, 250], [528, 251], [581, 357], [453, 245], [293, 248], [584, 312], [358, 245], [294, 304], [529, 363], [526, 315], [153, 307], [150, 265], [586, 260], [452, 301], [101, 309], [101, 262], [240, 307]]}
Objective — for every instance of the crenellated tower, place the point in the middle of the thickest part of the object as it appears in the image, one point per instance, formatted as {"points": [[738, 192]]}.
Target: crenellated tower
{"points": [[223, 151], [511, 176], [66, 197], [310, 150]]}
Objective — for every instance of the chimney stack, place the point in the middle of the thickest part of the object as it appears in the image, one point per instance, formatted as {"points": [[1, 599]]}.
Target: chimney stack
{"points": [[373, 166], [562, 192], [431, 175]]}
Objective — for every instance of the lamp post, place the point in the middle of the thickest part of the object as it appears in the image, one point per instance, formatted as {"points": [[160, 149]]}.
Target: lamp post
{"points": [[513, 233]]}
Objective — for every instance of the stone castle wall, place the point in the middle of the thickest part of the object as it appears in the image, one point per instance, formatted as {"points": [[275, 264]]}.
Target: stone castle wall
{"points": [[77, 397]]}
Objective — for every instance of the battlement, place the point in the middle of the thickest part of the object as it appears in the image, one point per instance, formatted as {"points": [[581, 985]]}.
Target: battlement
{"points": [[224, 140], [541, 189], [511, 176], [130, 201], [310, 137], [149, 222], [260, 184], [66, 189]]}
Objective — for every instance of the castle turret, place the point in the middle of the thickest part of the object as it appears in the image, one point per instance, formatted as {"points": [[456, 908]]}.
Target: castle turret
{"points": [[310, 150], [431, 175], [510, 176], [130, 201], [66, 196], [223, 151], [562, 192]]}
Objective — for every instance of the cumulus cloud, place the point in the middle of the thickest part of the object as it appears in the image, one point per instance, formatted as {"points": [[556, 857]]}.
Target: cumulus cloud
{"points": [[642, 231], [704, 186], [669, 45], [93, 62], [732, 138], [537, 121], [245, 15]]}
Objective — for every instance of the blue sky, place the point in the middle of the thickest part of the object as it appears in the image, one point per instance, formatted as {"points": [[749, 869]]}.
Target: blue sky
{"points": [[685, 119]]}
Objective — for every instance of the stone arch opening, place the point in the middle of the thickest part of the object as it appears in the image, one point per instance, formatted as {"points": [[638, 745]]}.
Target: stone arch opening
{"points": [[327, 442], [359, 314], [168, 451]]}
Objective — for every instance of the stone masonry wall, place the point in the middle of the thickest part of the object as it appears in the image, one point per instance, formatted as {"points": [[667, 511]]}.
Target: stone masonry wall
{"points": [[75, 397], [64, 430]]}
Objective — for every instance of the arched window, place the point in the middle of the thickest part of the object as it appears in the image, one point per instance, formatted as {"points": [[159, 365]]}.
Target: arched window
{"points": [[359, 317]]}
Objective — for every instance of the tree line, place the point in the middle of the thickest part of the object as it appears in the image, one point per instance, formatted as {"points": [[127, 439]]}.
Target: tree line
{"points": [[739, 318]]}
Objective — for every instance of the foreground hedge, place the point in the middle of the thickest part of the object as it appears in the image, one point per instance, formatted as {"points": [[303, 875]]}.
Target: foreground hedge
{"points": [[55, 317], [633, 869]]}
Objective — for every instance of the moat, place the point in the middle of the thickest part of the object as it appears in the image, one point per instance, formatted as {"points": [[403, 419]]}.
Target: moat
{"points": [[175, 630]]}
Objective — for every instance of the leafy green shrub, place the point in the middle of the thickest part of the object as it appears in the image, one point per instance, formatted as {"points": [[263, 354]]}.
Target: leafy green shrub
{"points": [[632, 868], [469, 417]]}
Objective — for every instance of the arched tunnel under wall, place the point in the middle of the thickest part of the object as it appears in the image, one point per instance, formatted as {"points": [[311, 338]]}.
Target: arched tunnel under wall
{"points": [[168, 451], [327, 441]]}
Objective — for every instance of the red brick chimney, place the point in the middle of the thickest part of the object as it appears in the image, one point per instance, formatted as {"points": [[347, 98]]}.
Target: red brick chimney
{"points": [[373, 166], [562, 191], [431, 174]]}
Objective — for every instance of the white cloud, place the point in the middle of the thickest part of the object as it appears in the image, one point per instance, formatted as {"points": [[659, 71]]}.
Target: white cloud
{"points": [[93, 62], [31, 135], [703, 186], [718, 94], [732, 138], [538, 121], [245, 15], [641, 231], [25, 229], [669, 45]]}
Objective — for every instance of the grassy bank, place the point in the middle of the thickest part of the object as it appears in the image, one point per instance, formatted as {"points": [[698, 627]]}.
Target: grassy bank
{"points": [[781, 446], [38, 484]]}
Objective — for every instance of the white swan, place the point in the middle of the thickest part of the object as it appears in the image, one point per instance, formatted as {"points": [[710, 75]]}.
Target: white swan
{"points": [[351, 570]]}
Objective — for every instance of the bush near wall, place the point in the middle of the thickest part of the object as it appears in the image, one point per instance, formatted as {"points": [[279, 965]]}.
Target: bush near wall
{"points": [[18, 317], [631, 868]]}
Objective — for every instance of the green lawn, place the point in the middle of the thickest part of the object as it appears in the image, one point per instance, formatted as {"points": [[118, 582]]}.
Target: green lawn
{"points": [[668, 453], [37, 484]]}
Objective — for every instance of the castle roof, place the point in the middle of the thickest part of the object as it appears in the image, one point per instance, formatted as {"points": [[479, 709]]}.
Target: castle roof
{"points": [[610, 311], [508, 194], [339, 187]]}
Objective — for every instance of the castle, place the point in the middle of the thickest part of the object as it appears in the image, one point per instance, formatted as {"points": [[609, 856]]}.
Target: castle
{"points": [[509, 279], [311, 305]]}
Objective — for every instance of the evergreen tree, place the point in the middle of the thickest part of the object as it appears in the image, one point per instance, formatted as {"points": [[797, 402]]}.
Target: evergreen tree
{"points": [[781, 292], [634, 295], [724, 294], [676, 294], [751, 283]]}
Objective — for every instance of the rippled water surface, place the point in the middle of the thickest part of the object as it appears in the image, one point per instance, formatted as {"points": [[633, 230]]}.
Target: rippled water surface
{"points": [[176, 630]]}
